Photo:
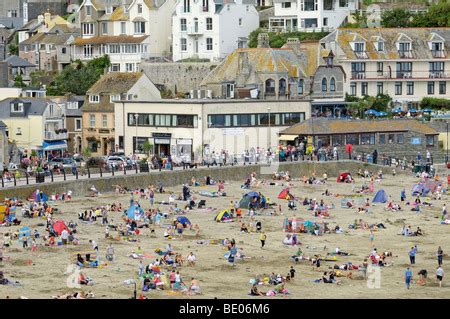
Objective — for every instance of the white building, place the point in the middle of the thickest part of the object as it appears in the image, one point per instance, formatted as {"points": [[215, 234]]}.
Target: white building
{"points": [[196, 127], [212, 29], [310, 15], [408, 64]]}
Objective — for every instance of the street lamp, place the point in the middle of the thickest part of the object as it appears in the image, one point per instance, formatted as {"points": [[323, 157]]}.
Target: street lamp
{"points": [[129, 282], [268, 140], [446, 157], [136, 116]]}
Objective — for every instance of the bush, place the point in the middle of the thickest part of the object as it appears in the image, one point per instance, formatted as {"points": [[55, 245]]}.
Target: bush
{"points": [[277, 40], [435, 103]]}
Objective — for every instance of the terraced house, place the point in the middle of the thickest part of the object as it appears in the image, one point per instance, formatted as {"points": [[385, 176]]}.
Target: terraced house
{"points": [[408, 63], [127, 30], [98, 109]]}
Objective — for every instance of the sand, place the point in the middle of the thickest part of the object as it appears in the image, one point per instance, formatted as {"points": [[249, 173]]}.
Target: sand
{"points": [[42, 275]]}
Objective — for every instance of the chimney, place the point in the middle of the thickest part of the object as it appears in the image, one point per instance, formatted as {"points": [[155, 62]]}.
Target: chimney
{"points": [[47, 17], [40, 18], [243, 65], [263, 40], [293, 44]]}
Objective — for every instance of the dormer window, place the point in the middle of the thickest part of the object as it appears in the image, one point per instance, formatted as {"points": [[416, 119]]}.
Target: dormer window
{"points": [[114, 98], [109, 10], [360, 50], [380, 46], [437, 49], [17, 107], [404, 49], [94, 98]]}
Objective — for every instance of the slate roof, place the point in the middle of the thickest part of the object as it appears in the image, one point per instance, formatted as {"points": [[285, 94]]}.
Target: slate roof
{"points": [[419, 36], [110, 39], [32, 106], [321, 126], [15, 61]]}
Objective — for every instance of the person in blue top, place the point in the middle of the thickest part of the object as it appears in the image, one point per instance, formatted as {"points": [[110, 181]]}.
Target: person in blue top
{"points": [[403, 195], [412, 255], [408, 276]]}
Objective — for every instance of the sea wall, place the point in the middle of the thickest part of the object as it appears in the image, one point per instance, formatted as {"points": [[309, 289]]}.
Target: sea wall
{"points": [[178, 177]]}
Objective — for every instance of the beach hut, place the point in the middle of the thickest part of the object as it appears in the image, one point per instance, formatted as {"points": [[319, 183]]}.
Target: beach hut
{"points": [[380, 197], [285, 194], [247, 199], [184, 221], [135, 212], [59, 226], [223, 216]]}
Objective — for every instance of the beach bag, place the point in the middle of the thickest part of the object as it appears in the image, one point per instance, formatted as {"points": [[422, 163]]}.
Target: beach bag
{"points": [[231, 259]]}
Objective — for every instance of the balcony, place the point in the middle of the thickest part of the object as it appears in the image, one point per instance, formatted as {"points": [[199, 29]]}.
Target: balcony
{"points": [[194, 31], [405, 54], [438, 75], [404, 74], [439, 53], [358, 75], [361, 54], [52, 136]]}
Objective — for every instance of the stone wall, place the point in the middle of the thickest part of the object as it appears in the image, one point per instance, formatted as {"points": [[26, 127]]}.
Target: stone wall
{"points": [[175, 178], [181, 77]]}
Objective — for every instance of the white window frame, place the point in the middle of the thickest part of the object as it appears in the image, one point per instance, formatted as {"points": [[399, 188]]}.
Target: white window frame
{"points": [[183, 24], [78, 126], [209, 24], [88, 29], [183, 44], [19, 107], [209, 46], [104, 120], [139, 8], [88, 10], [94, 98], [123, 27], [92, 120], [138, 29]]}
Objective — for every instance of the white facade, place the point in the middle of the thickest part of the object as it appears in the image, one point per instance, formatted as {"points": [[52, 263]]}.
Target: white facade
{"points": [[310, 15], [207, 29], [194, 126]]}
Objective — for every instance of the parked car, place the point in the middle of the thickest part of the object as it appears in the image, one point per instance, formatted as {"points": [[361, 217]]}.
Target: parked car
{"points": [[114, 161], [61, 163]]}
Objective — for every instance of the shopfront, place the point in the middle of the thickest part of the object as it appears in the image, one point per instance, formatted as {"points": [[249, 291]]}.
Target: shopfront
{"points": [[184, 148], [162, 143]]}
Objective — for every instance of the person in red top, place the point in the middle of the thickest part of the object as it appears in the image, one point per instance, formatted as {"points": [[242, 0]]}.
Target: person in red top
{"points": [[348, 150]]}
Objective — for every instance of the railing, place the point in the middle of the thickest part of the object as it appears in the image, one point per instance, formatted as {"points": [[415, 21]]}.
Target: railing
{"points": [[361, 54], [114, 56], [404, 74], [405, 54], [297, 29], [439, 53], [50, 136], [399, 75], [193, 31], [358, 75]]}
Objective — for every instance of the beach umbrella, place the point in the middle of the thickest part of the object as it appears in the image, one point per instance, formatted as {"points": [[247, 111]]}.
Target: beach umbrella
{"points": [[382, 113], [371, 112], [427, 110], [397, 110], [413, 110]]}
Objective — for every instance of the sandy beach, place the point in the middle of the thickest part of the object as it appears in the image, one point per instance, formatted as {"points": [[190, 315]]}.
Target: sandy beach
{"points": [[41, 273]]}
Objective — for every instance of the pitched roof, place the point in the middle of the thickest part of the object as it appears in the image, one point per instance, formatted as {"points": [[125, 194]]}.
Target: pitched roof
{"points": [[419, 37], [110, 39], [3, 125], [48, 38], [115, 83], [32, 106], [16, 61], [260, 60], [321, 126]]}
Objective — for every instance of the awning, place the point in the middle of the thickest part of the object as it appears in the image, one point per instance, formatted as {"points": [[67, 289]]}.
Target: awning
{"points": [[287, 137], [54, 145]]}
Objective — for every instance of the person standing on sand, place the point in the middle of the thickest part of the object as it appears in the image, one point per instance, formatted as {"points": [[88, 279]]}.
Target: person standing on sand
{"points": [[440, 255], [440, 275], [263, 238], [412, 255], [372, 237], [408, 276]]}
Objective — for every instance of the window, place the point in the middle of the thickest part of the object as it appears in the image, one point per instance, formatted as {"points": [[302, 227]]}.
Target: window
{"points": [[104, 28], [404, 49], [391, 138], [91, 120], [285, 4], [209, 44], [409, 88], [92, 146], [88, 10], [343, 3], [240, 21], [114, 48], [12, 14], [364, 88], [367, 139], [382, 139], [139, 27], [442, 87], [416, 140], [400, 138], [338, 140], [186, 6], [332, 85], [430, 88], [183, 24], [430, 140], [324, 85], [205, 5], [380, 88], [359, 47], [77, 124], [209, 24], [17, 107], [325, 22], [138, 144], [104, 120], [352, 139], [94, 98], [139, 8], [88, 50], [88, 28], [129, 67], [115, 67], [358, 70], [380, 68], [63, 50], [380, 46], [183, 44], [398, 88], [300, 86], [404, 69], [123, 28], [353, 89]]}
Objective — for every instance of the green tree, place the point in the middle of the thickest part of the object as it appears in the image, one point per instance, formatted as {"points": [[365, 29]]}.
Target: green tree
{"points": [[147, 147], [13, 49], [277, 40], [435, 103], [396, 18], [86, 152], [18, 81]]}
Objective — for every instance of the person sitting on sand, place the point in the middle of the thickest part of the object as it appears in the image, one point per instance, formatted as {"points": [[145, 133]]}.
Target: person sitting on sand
{"points": [[254, 291], [194, 287], [244, 228]]}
